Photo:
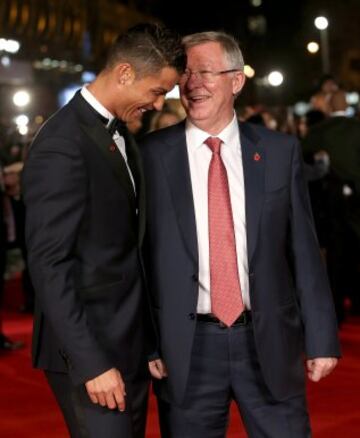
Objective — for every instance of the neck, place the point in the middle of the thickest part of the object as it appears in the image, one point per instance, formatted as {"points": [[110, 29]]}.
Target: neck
{"points": [[212, 128]]}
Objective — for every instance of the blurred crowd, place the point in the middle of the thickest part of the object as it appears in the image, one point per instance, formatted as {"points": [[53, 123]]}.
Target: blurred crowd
{"points": [[330, 134]]}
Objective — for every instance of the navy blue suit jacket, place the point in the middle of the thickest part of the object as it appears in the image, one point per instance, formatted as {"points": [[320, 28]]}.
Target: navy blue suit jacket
{"points": [[290, 297]]}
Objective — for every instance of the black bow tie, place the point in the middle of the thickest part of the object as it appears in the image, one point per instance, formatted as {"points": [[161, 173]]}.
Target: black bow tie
{"points": [[116, 125]]}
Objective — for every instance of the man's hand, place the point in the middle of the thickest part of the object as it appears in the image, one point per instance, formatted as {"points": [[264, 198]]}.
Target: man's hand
{"points": [[320, 367], [107, 389], [157, 369]]}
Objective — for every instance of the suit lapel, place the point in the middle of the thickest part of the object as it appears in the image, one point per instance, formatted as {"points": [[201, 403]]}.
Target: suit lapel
{"points": [[93, 128], [176, 164], [253, 157], [135, 163]]}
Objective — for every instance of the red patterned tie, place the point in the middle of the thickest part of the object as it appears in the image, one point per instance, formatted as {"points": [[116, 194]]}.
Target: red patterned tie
{"points": [[226, 298]]}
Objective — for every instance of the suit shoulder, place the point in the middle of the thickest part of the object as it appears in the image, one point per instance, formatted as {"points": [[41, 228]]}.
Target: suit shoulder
{"points": [[60, 131], [273, 141], [163, 136]]}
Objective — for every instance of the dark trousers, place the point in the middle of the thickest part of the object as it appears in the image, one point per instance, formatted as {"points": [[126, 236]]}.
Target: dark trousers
{"points": [[85, 419], [225, 367]]}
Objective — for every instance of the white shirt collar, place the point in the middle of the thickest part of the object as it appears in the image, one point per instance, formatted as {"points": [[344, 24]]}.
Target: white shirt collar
{"points": [[196, 136], [92, 101]]}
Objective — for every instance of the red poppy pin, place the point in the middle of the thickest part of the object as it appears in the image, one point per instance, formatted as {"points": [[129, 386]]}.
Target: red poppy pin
{"points": [[257, 157], [112, 148]]}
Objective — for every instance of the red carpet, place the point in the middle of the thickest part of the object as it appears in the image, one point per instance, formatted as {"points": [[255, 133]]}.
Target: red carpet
{"points": [[27, 408]]}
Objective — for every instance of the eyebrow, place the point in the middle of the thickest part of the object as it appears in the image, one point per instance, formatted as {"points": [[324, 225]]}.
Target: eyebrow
{"points": [[160, 90]]}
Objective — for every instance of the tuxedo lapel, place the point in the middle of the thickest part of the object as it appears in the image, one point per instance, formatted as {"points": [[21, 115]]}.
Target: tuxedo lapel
{"points": [[176, 164], [253, 157], [94, 128], [135, 164]]}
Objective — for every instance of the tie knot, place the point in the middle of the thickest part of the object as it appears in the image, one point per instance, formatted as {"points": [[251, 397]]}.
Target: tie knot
{"points": [[214, 144]]}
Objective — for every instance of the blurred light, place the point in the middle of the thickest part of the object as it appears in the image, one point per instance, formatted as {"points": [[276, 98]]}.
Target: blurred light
{"points": [[313, 47], [46, 62], [22, 120], [174, 93], [21, 98], [88, 76], [5, 61], [10, 46], [39, 120], [63, 64], [350, 111], [55, 63], [275, 78], [256, 3], [13, 46], [321, 23], [301, 108], [347, 190], [23, 129], [78, 67], [249, 71], [352, 98]]}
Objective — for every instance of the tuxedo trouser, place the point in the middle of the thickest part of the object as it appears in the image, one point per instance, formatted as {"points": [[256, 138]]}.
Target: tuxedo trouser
{"points": [[224, 367], [85, 419]]}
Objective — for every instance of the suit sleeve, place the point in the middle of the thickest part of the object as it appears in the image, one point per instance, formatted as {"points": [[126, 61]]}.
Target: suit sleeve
{"points": [[314, 295], [55, 191]]}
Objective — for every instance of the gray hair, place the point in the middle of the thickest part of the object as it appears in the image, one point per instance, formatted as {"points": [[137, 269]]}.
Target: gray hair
{"points": [[228, 43]]}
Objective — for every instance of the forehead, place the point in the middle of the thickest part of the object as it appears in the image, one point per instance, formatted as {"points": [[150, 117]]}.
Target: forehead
{"points": [[209, 53]]}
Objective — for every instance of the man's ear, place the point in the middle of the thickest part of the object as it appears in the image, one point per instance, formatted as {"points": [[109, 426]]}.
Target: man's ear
{"points": [[124, 74], [238, 82]]}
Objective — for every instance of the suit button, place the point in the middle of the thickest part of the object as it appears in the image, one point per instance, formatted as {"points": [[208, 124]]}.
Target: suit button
{"points": [[195, 278], [192, 316]]}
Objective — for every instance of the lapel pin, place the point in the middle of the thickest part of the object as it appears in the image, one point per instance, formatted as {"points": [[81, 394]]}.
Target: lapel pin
{"points": [[257, 157], [112, 148]]}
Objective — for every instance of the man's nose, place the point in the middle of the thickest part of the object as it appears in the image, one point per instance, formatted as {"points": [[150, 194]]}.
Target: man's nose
{"points": [[159, 103]]}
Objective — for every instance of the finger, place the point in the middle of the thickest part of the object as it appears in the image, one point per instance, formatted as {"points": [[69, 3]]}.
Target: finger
{"points": [[91, 394], [154, 370], [110, 401], [310, 364], [119, 396], [316, 374], [93, 398], [102, 399], [162, 368]]}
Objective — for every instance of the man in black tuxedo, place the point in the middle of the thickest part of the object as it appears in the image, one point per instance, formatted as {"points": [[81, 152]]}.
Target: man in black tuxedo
{"points": [[237, 283], [85, 213]]}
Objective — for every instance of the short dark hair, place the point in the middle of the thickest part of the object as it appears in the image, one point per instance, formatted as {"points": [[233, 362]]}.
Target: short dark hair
{"points": [[148, 47]]}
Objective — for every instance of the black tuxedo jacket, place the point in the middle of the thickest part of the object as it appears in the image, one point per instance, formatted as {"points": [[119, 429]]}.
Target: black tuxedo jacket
{"points": [[290, 297], [84, 228]]}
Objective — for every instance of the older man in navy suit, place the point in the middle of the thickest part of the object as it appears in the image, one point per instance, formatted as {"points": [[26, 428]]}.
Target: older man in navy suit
{"points": [[238, 287]]}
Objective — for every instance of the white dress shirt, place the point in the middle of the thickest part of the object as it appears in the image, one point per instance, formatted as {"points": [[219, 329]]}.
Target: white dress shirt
{"points": [[199, 160], [118, 139]]}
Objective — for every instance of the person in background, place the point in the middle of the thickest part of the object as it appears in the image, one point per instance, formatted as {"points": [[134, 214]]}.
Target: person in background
{"points": [[85, 216], [6, 344], [167, 117], [238, 286]]}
